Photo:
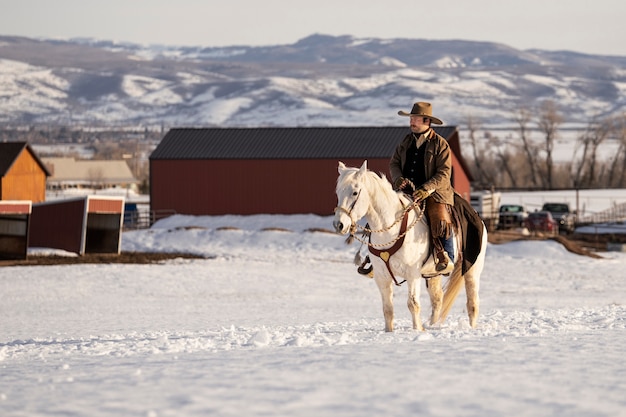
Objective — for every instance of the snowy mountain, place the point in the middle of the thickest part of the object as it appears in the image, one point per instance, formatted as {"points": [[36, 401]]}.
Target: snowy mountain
{"points": [[318, 81]]}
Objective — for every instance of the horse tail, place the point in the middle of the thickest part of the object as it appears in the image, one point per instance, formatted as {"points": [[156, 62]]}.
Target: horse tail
{"points": [[451, 291]]}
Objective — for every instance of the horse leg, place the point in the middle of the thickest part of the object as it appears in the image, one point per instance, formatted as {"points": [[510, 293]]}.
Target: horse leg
{"points": [[433, 285], [471, 289], [472, 283], [414, 304], [386, 292]]}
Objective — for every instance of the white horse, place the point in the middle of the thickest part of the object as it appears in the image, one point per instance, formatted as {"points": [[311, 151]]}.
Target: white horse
{"points": [[363, 194]]}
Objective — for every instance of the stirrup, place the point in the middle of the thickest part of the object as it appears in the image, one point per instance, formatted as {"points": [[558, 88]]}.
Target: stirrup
{"points": [[429, 268], [366, 270], [445, 267]]}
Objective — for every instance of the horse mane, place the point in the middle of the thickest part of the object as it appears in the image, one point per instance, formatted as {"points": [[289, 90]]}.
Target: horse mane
{"points": [[379, 179]]}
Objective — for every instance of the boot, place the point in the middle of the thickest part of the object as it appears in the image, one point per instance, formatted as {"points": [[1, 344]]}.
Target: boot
{"points": [[444, 263]]}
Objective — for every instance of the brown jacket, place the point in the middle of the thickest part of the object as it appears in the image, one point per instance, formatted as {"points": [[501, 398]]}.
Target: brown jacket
{"points": [[437, 163]]}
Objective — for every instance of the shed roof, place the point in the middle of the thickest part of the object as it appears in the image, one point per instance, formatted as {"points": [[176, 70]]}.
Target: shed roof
{"points": [[284, 142], [9, 151]]}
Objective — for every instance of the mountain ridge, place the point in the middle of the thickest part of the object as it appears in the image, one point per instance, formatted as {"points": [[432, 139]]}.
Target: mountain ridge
{"points": [[320, 80]]}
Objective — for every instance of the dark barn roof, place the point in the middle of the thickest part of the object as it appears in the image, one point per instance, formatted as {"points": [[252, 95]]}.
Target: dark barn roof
{"points": [[283, 142], [9, 151]]}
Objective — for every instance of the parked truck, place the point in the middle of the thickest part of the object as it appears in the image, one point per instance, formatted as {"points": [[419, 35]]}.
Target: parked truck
{"points": [[565, 218], [512, 216]]}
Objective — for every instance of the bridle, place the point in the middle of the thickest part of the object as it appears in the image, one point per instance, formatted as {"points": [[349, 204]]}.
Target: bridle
{"points": [[354, 226]]}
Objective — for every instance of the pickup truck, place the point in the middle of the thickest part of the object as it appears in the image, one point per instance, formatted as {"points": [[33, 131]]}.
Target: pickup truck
{"points": [[512, 216], [564, 217]]}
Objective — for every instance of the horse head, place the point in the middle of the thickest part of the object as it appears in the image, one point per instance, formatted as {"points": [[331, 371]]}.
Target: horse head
{"points": [[352, 197]]}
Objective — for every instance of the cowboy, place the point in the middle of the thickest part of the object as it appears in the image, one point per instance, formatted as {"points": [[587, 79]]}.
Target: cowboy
{"points": [[421, 165]]}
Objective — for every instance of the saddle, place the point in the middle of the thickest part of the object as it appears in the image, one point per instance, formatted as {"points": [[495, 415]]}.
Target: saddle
{"points": [[467, 228]]}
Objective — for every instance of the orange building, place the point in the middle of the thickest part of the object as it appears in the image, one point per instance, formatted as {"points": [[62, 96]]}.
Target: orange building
{"points": [[22, 174]]}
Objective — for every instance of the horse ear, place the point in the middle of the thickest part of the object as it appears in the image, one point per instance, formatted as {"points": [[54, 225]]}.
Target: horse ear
{"points": [[341, 167], [364, 166]]}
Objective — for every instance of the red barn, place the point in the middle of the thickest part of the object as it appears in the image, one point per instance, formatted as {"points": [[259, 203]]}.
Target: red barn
{"points": [[273, 170]]}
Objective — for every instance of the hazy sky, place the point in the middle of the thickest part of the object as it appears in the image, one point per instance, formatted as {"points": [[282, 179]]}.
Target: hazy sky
{"points": [[597, 26]]}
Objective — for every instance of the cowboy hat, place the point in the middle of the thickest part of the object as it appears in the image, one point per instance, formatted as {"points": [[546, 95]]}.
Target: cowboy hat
{"points": [[422, 108]]}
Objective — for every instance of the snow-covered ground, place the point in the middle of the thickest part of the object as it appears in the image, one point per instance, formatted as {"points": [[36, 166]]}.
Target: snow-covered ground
{"points": [[276, 321]]}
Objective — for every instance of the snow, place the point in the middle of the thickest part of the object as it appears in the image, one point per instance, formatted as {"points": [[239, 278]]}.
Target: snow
{"points": [[275, 320]]}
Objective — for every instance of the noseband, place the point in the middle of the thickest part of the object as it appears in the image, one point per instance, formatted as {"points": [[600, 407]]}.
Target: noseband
{"points": [[348, 211]]}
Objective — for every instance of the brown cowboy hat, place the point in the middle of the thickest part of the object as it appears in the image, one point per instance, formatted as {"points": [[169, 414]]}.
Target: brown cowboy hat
{"points": [[422, 108]]}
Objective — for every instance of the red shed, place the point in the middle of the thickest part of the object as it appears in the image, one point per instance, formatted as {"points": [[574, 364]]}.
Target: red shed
{"points": [[91, 224], [14, 222], [213, 171]]}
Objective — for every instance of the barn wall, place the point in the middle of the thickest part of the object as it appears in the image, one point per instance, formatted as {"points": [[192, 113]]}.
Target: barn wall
{"points": [[91, 224], [460, 181], [25, 180], [216, 187], [58, 225]]}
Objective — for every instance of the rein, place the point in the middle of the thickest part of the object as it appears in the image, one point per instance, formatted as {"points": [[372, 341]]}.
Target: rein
{"points": [[367, 231]]}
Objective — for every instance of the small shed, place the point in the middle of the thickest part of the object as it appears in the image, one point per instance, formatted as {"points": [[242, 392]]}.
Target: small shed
{"points": [[90, 224], [22, 174], [14, 228], [278, 170]]}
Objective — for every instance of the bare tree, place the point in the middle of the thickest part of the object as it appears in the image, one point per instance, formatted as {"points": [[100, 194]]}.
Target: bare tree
{"points": [[479, 157], [549, 120], [579, 168], [505, 159], [588, 174], [619, 130], [523, 118]]}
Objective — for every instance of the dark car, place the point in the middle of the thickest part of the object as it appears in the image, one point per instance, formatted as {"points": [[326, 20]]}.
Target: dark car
{"points": [[541, 221], [511, 216], [563, 216]]}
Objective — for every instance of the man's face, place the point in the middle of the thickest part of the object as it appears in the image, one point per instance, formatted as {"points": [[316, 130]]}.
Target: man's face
{"points": [[419, 124]]}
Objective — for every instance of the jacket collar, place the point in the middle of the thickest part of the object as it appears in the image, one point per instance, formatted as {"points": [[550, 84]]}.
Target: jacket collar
{"points": [[422, 137]]}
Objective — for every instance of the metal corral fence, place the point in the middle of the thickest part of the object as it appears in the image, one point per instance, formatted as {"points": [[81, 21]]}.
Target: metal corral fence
{"points": [[139, 216], [615, 214]]}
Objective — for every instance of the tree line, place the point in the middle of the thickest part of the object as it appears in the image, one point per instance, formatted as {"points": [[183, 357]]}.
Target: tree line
{"points": [[525, 162]]}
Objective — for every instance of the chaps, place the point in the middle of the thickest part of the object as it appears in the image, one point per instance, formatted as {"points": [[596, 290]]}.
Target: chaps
{"points": [[440, 222]]}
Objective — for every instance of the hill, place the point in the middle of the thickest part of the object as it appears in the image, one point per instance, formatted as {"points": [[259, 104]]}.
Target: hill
{"points": [[320, 80]]}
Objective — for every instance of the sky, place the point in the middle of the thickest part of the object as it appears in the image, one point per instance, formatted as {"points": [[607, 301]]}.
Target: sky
{"points": [[575, 25]]}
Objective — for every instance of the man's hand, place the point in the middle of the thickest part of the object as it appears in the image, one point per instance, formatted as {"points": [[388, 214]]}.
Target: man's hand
{"points": [[401, 182], [420, 194]]}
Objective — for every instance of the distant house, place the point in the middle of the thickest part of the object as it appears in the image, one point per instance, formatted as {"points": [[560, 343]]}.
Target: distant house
{"points": [[245, 171], [72, 173], [22, 174]]}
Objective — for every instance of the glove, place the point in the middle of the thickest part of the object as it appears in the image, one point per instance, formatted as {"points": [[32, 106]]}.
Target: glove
{"points": [[420, 194], [401, 183]]}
